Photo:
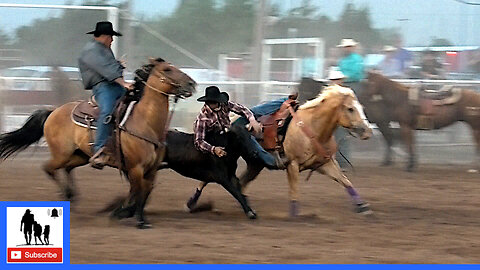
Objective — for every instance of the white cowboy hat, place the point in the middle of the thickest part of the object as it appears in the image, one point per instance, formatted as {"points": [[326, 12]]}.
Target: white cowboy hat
{"points": [[389, 48], [347, 42], [335, 74]]}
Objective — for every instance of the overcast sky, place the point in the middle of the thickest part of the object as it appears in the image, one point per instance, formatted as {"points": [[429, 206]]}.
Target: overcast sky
{"points": [[419, 20]]}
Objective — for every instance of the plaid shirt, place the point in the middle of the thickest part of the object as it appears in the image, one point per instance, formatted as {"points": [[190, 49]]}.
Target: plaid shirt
{"points": [[209, 120]]}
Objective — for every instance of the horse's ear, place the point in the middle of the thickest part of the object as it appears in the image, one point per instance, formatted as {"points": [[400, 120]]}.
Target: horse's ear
{"points": [[152, 60]]}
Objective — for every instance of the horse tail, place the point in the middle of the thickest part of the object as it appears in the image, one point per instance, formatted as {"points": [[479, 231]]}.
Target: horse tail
{"points": [[31, 132]]}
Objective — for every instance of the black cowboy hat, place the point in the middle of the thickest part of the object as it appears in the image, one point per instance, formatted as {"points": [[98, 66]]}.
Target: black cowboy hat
{"points": [[104, 28], [212, 93]]}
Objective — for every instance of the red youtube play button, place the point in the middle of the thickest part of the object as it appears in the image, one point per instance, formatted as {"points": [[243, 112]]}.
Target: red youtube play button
{"points": [[34, 255]]}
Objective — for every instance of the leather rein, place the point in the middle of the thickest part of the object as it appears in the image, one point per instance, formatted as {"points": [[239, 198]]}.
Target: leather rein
{"points": [[167, 80]]}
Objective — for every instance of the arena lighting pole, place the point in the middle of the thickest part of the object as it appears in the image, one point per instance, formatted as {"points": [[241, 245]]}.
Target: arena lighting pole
{"points": [[256, 59], [128, 41], [112, 14]]}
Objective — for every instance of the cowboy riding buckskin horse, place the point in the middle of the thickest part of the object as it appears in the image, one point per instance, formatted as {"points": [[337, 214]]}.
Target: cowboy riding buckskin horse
{"points": [[141, 138]]}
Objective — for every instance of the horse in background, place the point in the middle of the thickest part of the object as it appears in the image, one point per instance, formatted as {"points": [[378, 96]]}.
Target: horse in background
{"points": [[70, 147], [388, 101], [309, 143]]}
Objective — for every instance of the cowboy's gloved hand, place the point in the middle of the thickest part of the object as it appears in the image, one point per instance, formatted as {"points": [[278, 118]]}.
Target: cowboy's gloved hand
{"points": [[219, 151], [256, 126]]}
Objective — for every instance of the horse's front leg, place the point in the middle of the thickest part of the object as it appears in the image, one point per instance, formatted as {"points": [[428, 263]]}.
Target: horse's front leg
{"points": [[408, 137], [292, 173], [140, 189], [476, 134], [332, 170]]}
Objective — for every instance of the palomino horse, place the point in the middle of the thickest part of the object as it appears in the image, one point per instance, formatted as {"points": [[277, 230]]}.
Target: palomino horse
{"points": [[387, 101], [69, 143], [309, 143]]}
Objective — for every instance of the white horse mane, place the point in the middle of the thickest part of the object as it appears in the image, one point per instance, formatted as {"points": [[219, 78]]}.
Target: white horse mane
{"points": [[328, 91]]}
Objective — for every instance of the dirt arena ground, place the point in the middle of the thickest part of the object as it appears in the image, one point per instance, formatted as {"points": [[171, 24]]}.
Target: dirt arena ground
{"points": [[432, 216]]}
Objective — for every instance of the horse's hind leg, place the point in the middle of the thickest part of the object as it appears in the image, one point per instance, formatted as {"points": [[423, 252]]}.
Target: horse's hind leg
{"points": [[332, 170], [75, 161], [389, 139], [233, 187], [51, 166], [192, 202], [408, 137]]}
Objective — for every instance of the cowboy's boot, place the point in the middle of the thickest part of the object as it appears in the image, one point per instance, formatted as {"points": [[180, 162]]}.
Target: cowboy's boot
{"points": [[99, 160], [281, 162]]}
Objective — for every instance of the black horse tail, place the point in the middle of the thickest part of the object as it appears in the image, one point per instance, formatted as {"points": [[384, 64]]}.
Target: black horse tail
{"points": [[31, 132]]}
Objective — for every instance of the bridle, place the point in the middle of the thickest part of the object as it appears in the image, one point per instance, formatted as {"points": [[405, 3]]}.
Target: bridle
{"points": [[164, 78]]}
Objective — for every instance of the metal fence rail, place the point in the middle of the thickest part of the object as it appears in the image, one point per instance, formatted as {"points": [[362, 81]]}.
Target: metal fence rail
{"points": [[248, 93]]}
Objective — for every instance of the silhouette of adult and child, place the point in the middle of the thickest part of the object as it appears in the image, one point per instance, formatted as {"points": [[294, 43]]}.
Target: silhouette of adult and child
{"points": [[30, 225]]}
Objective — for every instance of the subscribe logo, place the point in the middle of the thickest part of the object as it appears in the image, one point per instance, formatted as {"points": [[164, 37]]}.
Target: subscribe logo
{"points": [[35, 255], [39, 238]]}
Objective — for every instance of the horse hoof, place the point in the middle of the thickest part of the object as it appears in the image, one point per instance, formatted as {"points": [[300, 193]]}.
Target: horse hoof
{"points": [[187, 208], [251, 214], [122, 212], [70, 194], [363, 208], [143, 225]]}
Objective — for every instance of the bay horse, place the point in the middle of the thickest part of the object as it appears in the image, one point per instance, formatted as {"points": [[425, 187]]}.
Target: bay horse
{"points": [[314, 149], [69, 143], [388, 101]]}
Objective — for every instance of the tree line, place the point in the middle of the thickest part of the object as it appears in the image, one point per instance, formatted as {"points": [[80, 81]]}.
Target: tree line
{"points": [[204, 27]]}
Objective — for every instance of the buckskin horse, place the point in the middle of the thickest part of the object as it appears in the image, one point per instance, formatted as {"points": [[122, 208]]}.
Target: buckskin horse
{"points": [[142, 145], [387, 101], [309, 143]]}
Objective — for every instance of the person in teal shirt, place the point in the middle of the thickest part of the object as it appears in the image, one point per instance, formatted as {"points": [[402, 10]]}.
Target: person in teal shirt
{"points": [[310, 64], [351, 65]]}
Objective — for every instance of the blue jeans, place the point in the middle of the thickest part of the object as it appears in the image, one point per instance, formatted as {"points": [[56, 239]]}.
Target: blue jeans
{"points": [[267, 108], [258, 151], [106, 96]]}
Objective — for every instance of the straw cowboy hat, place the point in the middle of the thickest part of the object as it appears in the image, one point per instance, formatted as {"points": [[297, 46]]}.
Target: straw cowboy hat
{"points": [[347, 42], [104, 28], [389, 48], [335, 74]]}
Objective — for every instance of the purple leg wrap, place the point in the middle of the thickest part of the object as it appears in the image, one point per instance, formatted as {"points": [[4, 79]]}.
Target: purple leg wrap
{"points": [[353, 193]]}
